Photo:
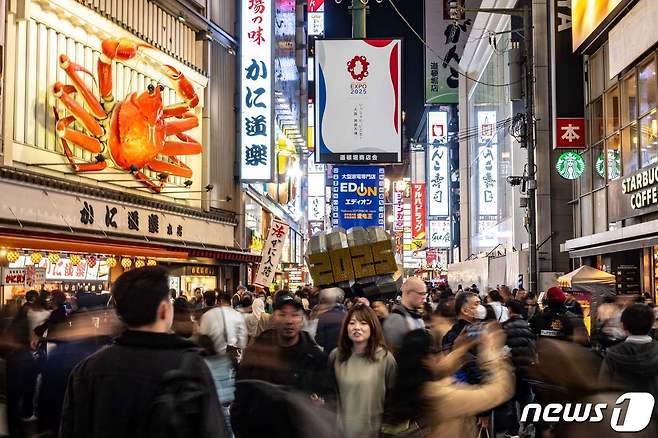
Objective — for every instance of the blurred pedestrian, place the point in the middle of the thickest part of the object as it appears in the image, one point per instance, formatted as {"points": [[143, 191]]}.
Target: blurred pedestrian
{"points": [[261, 316], [183, 324], [572, 305], [237, 297], [364, 371], [330, 314], [633, 364], [209, 302], [495, 300], [225, 326], [406, 316], [125, 390], [284, 356], [197, 300], [381, 309]]}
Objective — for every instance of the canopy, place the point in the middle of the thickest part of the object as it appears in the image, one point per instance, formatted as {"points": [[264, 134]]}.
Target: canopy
{"points": [[585, 275]]}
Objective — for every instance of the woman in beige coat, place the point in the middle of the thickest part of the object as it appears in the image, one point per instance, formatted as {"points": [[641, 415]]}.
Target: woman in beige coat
{"points": [[448, 407]]}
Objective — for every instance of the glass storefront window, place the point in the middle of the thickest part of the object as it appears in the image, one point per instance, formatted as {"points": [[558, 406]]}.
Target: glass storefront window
{"points": [[628, 100], [629, 153], [600, 216], [596, 121], [586, 178], [647, 85], [586, 219], [597, 75], [598, 168], [613, 153], [649, 139], [612, 111]]}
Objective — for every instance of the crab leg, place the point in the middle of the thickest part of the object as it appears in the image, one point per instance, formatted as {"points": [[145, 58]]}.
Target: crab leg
{"points": [[186, 122], [72, 69], [149, 182], [63, 93], [183, 86], [80, 139], [177, 168], [121, 49], [188, 146]]}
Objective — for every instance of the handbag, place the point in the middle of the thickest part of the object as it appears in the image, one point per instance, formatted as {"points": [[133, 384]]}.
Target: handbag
{"points": [[233, 352]]}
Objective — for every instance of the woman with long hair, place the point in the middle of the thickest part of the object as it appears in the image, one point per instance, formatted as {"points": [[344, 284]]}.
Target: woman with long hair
{"points": [[427, 401], [364, 371]]}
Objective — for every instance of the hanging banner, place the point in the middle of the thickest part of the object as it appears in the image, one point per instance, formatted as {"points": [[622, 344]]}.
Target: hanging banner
{"points": [[418, 217], [437, 164], [357, 196], [256, 83], [446, 39], [358, 116], [439, 233], [272, 251]]}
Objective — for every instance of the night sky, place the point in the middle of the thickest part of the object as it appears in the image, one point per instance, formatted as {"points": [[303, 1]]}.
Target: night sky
{"points": [[384, 22]]}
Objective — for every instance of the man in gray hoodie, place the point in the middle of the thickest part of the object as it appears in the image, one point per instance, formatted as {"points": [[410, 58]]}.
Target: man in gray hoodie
{"points": [[405, 316]]}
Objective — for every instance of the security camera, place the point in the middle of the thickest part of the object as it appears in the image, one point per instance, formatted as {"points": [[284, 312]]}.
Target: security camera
{"points": [[515, 180]]}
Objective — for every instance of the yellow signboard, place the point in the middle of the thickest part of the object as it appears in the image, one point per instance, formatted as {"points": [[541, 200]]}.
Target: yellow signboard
{"points": [[587, 15]]}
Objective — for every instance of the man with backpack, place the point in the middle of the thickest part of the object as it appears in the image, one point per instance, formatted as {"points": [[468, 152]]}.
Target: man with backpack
{"points": [[406, 316], [556, 322], [149, 382]]}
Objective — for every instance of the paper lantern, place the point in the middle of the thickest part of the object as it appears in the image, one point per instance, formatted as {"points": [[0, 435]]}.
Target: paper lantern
{"points": [[75, 259], [151, 262], [53, 258], [140, 262], [111, 262], [13, 256], [126, 262], [36, 257], [91, 261]]}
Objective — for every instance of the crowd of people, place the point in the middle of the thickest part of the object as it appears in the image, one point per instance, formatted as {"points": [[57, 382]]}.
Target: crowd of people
{"points": [[433, 362]]}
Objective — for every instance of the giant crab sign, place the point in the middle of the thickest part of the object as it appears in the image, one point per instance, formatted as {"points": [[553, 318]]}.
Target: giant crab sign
{"points": [[137, 130]]}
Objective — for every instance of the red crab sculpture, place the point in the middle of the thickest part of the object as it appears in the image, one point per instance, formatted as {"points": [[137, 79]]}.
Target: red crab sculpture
{"points": [[135, 130]]}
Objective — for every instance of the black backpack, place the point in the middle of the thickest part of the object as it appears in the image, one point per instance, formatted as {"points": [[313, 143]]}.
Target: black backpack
{"points": [[180, 408]]}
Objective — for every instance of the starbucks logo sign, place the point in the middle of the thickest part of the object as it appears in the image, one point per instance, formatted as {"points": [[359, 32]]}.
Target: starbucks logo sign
{"points": [[614, 165], [570, 165]]}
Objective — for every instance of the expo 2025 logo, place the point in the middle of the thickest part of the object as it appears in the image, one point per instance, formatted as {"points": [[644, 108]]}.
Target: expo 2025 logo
{"points": [[358, 67]]}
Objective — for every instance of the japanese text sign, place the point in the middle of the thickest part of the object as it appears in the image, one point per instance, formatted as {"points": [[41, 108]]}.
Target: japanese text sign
{"points": [[418, 219], [271, 252], [357, 196], [439, 233], [446, 39], [358, 111], [488, 163], [570, 133], [437, 164], [256, 159]]}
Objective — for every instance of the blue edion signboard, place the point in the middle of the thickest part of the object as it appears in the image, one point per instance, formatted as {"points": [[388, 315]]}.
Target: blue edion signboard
{"points": [[357, 196]]}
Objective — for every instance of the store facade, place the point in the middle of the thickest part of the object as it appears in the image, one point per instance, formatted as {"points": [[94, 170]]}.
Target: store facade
{"points": [[615, 200], [68, 193]]}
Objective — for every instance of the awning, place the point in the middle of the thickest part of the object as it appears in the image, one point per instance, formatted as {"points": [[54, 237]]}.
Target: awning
{"points": [[625, 245]]}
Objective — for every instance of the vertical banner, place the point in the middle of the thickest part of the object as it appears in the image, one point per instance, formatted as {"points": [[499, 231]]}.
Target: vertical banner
{"points": [[358, 116], [438, 191], [488, 163], [316, 190], [315, 18], [256, 79], [276, 238], [446, 40], [398, 220], [418, 217], [357, 196]]}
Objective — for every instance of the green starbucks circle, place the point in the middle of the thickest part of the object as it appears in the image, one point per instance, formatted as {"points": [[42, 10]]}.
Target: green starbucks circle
{"points": [[570, 165], [614, 165]]}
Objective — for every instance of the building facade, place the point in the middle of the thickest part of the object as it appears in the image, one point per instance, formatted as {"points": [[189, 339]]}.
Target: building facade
{"points": [[614, 202], [73, 191]]}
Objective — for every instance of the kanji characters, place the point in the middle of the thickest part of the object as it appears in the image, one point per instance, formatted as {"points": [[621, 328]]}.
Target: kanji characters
{"points": [[153, 223], [255, 126], [87, 214], [133, 220], [256, 155], [251, 99], [256, 35], [256, 70]]}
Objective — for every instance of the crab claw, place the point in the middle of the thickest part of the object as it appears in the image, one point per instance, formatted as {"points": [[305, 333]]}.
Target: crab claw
{"points": [[122, 49], [182, 84]]}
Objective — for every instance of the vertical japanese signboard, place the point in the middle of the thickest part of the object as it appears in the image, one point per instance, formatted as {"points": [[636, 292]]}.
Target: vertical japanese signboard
{"points": [[272, 251], [445, 45], [488, 163], [315, 18], [437, 164], [316, 191], [418, 217], [439, 233], [358, 116], [357, 196], [256, 78]]}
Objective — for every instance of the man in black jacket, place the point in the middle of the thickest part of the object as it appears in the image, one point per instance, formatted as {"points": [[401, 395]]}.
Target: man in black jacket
{"points": [[285, 356], [556, 322], [632, 365], [112, 392]]}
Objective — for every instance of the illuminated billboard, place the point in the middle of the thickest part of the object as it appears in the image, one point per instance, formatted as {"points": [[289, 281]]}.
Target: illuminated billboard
{"points": [[587, 15]]}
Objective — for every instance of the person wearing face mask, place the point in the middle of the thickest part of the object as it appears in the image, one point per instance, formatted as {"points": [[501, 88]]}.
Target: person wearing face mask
{"points": [[364, 371]]}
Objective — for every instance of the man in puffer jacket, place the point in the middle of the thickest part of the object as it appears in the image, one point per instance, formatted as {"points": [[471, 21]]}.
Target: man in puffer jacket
{"points": [[521, 343]]}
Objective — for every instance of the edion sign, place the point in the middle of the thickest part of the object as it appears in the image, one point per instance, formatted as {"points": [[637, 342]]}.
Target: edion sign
{"points": [[635, 418]]}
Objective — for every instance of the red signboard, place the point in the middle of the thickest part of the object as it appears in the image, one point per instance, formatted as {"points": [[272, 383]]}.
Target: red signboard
{"points": [[315, 5], [418, 221], [570, 133]]}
